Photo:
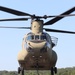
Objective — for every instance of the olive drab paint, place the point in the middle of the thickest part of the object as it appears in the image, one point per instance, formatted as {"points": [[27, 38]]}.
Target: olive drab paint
{"points": [[39, 51]]}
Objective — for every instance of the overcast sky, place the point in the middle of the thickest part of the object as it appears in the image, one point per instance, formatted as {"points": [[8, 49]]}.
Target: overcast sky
{"points": [[11, 39]]}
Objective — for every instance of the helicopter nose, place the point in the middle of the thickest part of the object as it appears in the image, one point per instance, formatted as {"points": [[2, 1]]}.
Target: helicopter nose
{"points": [[37, 45]]}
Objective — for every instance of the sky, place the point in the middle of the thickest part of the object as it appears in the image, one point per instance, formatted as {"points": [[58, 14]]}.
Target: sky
{"points": [[11, 39]]}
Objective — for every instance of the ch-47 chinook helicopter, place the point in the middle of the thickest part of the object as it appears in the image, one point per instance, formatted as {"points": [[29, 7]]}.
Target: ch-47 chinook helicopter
{"points": [[37, 47]]}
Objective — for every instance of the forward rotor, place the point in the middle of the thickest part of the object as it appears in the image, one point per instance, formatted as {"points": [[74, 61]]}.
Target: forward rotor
{"points": [[50, 22], [32, 17]]}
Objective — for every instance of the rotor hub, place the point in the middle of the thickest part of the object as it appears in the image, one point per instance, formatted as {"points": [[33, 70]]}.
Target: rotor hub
{"points": [[37, 26]]}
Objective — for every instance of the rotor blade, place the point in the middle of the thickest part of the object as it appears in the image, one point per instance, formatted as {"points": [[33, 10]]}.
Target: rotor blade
{"points": [[61, 15], [50, 22], [15, 12], [15, 27], [60, 31], [14, 19], [45, 16]]}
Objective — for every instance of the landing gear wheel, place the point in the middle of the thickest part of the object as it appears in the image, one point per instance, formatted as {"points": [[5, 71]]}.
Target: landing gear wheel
{"points": [[19, 69], [55, 70], [52, 71], [22, 71]]}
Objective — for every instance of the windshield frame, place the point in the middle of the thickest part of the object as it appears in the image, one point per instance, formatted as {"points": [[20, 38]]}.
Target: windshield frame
{"points": [[36, 37]]}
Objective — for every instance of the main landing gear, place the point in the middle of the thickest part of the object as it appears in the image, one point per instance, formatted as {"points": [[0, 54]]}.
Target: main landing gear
{"points": [[53, 70], [21, 70]]}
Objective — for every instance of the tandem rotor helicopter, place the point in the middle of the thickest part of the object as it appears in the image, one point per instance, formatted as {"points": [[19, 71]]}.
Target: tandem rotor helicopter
{"points": [[37, 47]]}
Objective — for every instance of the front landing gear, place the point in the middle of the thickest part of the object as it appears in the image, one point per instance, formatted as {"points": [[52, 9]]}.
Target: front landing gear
{"points": [[53, 70], [21, 70]]}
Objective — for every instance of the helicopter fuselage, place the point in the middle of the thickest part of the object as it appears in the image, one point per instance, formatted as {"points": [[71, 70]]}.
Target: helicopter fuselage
{"points": [[37, 50], [37, 47]]}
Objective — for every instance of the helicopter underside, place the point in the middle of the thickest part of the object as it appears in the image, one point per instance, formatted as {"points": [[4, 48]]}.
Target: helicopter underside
{"points": [[41, 61]]}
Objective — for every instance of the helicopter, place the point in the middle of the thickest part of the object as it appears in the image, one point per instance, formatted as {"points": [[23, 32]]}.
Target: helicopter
{"points": [[37, 46]]}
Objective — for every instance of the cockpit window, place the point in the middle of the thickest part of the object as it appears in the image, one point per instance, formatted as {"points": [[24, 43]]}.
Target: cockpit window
{"points": [[36, 37], [43, 37], [30, 37]]}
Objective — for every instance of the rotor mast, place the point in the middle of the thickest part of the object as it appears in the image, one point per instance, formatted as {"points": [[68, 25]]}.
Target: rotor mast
{"points": [[37, 26]]}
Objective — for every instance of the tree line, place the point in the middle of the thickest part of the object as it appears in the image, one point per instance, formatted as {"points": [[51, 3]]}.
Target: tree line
{"points": [[61, 71]]}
